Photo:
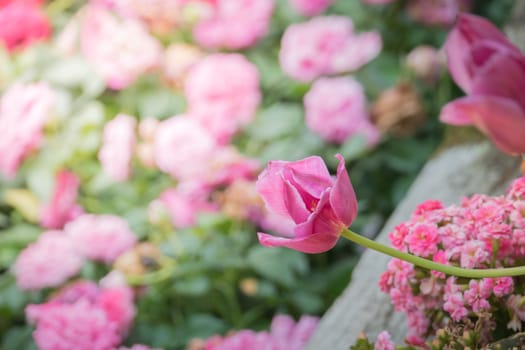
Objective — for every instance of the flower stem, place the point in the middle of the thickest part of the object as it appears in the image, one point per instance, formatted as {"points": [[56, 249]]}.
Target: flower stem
{"points": [[431, 265]]}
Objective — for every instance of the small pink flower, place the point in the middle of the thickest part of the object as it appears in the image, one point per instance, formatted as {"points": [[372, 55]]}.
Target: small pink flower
{"points": [[234, 24], [101, 237], [437, 12], [325, 45], [377, 2], [384, 342], [503, 286], [223, 108], [136, 347], [24, 109], [476, 297], [117, 148], [423, 240], [23, 23], [336, 110], [118, 306], [310, 8], [48, 262], [183, 147], [63, 206], [304, 192], [119, 50]]}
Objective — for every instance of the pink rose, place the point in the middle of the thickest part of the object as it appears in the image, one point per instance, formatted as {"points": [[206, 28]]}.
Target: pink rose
{"points": [[183, 147], [437, 12], [325, 45], [234, 24], [223, 108], [491, 70], [310, 8], [118, 146], [48, 262], [23, 23], [336, 110], [119, 50], [303, 192], [227, 166], [24, 109], [63, 206], [100, 237]]}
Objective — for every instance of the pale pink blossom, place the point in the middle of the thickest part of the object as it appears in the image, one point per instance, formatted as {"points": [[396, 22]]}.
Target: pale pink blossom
{"points": [[179, 58], [437, 12], [24, 110], [223, 94], [377, 2], [335, 109], [120, 50], [136, 347], [118, 145], [384, 342], [227, 166], [100, 237], [48, 262], [63, 206], [476, 297], [183, 147], [234, 24], [310, 7], [426, 62], [423, 240], [325, 45]]}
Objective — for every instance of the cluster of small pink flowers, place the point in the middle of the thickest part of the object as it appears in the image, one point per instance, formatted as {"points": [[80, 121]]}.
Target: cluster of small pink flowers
{"points": [[118, 146], [324, 46], [384, 342], [336, 110], [63, 206], [83, 316], [120, 50], [482, 232], [24, 110], [222, 108], [310, 7], [234, 24], [100, 237], [284, 334]]}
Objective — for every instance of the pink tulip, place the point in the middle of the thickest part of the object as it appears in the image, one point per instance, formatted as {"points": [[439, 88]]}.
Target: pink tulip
{"points": [[63, 206], [303, 192], [491, 70]]}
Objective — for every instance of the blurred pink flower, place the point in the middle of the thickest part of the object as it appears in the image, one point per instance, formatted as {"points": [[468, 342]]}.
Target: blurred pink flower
{"points": [[491, 70], [234, 24], [183, 203], [426, 62], [310, 7], [100, 237], [179, 58], [136, 347], [120, 50], [227, 166], [24, 109], [183, 147], [437, 12], [304, 192], [377, 2], [325, 45], [48, 262], [335, 108], [223, 107], [63, 206], [118, 146], [23, 23], [384, 342]]}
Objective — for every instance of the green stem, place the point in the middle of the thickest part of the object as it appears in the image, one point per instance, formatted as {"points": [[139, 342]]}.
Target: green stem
{"points": [[431, 265]]}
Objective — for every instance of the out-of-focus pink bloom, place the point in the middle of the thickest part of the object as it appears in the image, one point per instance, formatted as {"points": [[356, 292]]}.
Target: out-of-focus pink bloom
{"points": [[377, 2], [23, 23], [325, 45], [118, 146], [63, 206], [335, 109], [304, 192], [222, 108], [100, 237], [179, 58], [425, 61], [227, 166], [24, 110], [136, 347], [120, 50], [234, 24], [83, 316], [310, 7], [48, 262], [491, 70], [183, 147], [437, 12], [384, 342], [185, 202]]}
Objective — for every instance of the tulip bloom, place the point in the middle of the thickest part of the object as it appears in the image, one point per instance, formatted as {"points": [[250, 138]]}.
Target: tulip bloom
{"points": [[491, 70], [317, 206]]}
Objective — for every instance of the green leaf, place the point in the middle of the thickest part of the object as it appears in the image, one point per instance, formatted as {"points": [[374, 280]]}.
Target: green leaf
{"points": [[307, 302], [18, 338], [279, 265], [279, 120], [193, 286]]}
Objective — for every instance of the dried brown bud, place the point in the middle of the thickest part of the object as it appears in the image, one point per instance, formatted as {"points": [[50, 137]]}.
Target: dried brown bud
{"points": [[398, 110], [249, 286]]}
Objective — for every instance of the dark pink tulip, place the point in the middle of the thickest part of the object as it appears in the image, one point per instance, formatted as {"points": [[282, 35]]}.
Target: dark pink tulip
{"points": [[318, 206], [491, 70]]}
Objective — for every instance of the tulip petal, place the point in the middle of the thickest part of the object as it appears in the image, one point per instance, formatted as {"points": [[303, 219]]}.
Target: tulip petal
{"points": [[294, 203], [452, 113], [311, 175], [500, 118], [270, 186], [312, 244], [342, 196]]}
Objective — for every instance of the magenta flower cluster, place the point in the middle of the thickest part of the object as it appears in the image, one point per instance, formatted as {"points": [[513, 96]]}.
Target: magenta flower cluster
{"points": [[482, 232]]}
